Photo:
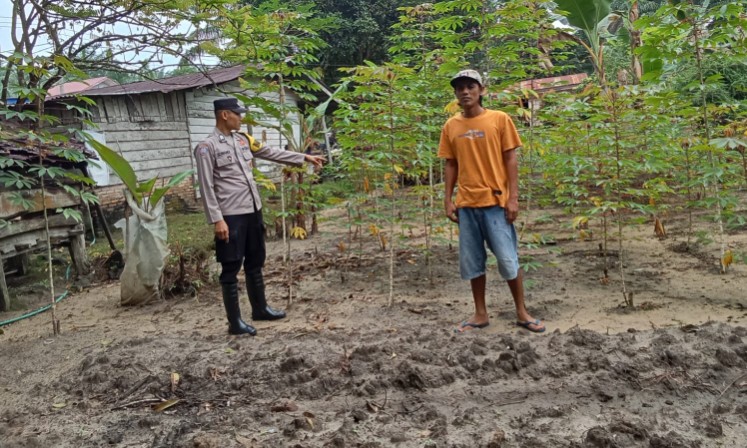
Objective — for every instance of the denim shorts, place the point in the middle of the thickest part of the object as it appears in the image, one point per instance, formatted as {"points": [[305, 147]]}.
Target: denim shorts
{"points": [[481, 226]]}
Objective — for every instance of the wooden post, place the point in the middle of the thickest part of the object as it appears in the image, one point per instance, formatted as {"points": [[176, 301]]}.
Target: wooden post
{"points": [[4, 295], [105, 225], [78, 254]]}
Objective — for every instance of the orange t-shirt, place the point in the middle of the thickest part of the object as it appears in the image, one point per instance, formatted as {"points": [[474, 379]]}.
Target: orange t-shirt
{"points": [[477, 144]]}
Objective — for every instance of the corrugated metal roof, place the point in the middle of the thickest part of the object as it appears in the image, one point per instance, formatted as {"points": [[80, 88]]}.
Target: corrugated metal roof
{"points": [[70, 88], [181, 82]]}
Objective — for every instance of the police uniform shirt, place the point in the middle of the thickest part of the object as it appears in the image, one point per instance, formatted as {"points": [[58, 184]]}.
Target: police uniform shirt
{"points": [[225, 173]]}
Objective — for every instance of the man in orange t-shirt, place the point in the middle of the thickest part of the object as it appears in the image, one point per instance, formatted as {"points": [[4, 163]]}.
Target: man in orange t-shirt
{"points": [[479, 146]]}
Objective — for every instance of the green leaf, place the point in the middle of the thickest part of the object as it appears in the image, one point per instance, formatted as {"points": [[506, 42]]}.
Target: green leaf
{"points": [[82, 111], [79, 178], [71, 191], [321, 109], [17, 198], [6, 162], [69, 154], [146, 187], [174, 181], [729, 142], [119, 165], [19, 181], [89, 198], [70, 213], [652, 64], [585, 14], [54, 171], [38, 171]]}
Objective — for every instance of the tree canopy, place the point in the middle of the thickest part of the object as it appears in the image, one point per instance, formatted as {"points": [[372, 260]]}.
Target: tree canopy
{"points": [[52, 39]]}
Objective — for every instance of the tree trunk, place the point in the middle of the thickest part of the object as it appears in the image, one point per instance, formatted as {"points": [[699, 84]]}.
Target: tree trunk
{"points": [[635, 41]]}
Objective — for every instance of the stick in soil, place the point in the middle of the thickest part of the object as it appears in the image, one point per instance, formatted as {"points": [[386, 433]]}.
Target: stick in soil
{"points": [[137, 402], [136, 387], [55, 321]]}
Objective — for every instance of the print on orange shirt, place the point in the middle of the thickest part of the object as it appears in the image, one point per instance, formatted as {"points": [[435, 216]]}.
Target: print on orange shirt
{"points": [[473, 134]]}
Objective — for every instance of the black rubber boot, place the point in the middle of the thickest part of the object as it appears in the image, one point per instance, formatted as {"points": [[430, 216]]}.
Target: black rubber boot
{"points": [[255, 286], [231, 301]]}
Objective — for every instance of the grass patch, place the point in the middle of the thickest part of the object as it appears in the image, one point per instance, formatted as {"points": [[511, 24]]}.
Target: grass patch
{"points": [[189, 230], [331, 192]]}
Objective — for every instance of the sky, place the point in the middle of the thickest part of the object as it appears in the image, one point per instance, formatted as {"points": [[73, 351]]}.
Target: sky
{"points": [[6, 6], [6, 43]]}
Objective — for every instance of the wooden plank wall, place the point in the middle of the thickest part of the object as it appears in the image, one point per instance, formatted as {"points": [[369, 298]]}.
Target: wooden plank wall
{"points": [[149, 130]]}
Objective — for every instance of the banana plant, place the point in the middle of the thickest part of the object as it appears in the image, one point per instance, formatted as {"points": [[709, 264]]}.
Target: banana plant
{"points": [[145, 193], [595, 19], [310, 126]]}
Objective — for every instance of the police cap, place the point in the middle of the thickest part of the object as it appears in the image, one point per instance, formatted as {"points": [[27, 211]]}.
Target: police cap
{"points": [[231, 104]]}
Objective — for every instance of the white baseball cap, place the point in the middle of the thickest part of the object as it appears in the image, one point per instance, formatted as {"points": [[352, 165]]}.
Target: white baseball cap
{"points": [[468, 74]]}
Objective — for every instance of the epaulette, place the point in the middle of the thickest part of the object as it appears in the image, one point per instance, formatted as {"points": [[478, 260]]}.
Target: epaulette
{"points": [[254, 145]]}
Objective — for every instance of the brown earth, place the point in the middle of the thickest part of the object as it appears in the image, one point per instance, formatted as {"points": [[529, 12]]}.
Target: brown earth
{"points": [[346, 370]]}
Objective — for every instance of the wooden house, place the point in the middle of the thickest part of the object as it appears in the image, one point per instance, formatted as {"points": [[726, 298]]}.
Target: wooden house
{"points": [[156, 124], [543, 86]]}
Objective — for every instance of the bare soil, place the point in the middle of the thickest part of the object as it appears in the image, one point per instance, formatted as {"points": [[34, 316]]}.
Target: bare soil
{"points": [[346, 370]]}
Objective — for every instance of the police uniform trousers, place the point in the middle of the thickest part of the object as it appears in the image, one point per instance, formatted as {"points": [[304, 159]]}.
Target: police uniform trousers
{"points": [[246, 244]]}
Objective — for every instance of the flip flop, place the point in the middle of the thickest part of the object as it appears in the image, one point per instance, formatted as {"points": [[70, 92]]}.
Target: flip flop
{"points": [[465, 325], [535, 322]]}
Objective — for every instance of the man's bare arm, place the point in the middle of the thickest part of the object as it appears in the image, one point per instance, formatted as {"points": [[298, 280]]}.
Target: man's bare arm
{"points": [[511, 162], [451, 172]]}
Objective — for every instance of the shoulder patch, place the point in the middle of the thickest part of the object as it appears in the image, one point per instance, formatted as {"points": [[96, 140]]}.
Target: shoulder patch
{"points": [[202, 149]]}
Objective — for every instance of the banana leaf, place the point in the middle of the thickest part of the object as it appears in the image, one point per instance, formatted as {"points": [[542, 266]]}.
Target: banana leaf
{"points": [[174, 181], [585, 14], [119, 165]]}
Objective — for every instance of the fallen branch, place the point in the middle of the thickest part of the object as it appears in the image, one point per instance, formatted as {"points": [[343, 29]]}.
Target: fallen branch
{"points": [[137, 402], [137, 386], [506, 403]]}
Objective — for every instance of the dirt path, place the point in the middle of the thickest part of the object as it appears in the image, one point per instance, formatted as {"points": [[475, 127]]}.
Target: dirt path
{"points": [[345, 370]]}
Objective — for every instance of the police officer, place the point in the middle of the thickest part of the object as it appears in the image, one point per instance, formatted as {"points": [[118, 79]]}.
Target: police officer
{"points": [[232, 205]]}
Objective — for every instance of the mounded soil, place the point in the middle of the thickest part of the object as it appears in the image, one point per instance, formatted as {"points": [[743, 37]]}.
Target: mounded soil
{"points": [[344, 369]]}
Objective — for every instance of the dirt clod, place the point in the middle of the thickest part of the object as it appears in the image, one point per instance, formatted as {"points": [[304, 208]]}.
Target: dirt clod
{"points": [[728, 358], [711, 427], [287, 406], [598, 437], [345, 370], [672, 440], [497, 439]]}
